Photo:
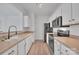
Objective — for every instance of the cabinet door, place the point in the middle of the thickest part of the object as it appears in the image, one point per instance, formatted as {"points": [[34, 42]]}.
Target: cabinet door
{"points": [[75, 13], [64, 50], [57, 47], [11, 51], [21, 48], [28, 43], [67, 51], [26, 21], [66, 13]]}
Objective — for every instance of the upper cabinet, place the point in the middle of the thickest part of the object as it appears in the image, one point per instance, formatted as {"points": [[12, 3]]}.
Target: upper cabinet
{"points": [[69, 13], [75, 13], [66, 13], [58, 12], [26, 21]]}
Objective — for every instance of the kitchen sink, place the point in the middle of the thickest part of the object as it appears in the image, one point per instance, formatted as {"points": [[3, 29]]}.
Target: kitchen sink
{"points": [[12, 38], [2, 39]]}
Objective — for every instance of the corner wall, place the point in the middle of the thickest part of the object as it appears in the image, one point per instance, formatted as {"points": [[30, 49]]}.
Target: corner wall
{"points": [[39, 27]]}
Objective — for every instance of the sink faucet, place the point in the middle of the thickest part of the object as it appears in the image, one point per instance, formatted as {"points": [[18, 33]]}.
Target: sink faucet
{"points": [[10, 30]]}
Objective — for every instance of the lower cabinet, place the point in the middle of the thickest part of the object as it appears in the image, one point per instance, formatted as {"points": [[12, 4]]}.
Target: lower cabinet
{"points": [[29, 42], [25, 45], [21, 48], [11, 51], [57, 47], [67, 51], [64, 50], [61, 49]]}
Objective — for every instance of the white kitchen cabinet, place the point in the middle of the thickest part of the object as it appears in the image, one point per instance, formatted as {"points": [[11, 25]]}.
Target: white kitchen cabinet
{"points": [[58, 11], [64, 50], [25, 45], [66, 13], [75, 13], [26, 21], [22, 48], [29, 42], [11, 51], [67, 51], [57, 47]]}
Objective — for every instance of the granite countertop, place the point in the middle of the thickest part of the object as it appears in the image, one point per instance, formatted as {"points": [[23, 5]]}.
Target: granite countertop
{"points": [[5, 45]]}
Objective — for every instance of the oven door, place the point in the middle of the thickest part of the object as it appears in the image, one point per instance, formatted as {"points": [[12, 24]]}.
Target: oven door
{"points": [[51, 43]]}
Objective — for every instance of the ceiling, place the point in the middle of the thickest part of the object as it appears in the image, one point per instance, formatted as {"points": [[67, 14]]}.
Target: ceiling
{"points": [[42, 9]]}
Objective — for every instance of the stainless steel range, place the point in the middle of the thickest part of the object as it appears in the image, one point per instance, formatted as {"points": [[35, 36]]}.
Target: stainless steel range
{"points": [[51, 43]]}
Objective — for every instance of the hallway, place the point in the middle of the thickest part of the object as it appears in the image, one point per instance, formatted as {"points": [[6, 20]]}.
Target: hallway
{"points": [[39, 48]]}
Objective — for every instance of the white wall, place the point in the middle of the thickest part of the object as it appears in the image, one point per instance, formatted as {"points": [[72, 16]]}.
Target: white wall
{"points": [[39, 27], [9, 15]]}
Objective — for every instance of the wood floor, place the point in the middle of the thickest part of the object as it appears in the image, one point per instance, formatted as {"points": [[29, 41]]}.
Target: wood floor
{"points": [[39, 48]]}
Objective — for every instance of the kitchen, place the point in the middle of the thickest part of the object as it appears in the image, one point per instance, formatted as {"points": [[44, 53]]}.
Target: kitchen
{"points": [[39, 28]]}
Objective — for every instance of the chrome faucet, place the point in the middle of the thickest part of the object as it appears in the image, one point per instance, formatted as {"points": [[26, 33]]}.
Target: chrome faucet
{"points": [[10, 30]]}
